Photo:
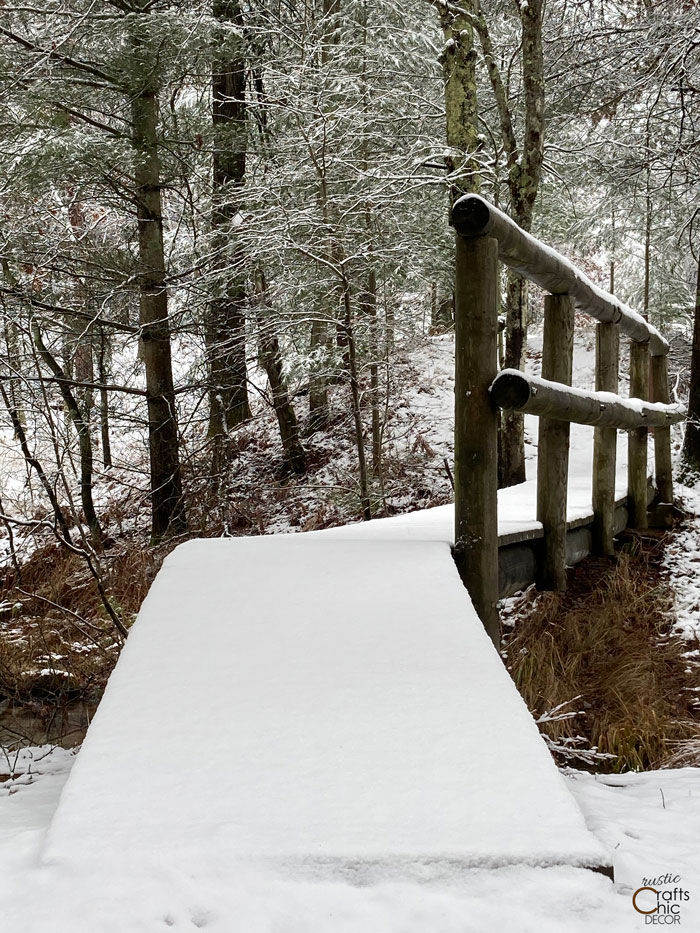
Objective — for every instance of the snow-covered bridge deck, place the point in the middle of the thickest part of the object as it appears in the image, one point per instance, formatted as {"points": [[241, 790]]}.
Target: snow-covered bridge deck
{"points": [[517, 509], [518, 526], [311, 704]]}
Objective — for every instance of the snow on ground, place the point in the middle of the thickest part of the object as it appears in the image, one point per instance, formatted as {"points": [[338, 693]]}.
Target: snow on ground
{"points": [[682, 563], [650, 821], [31, 781], [417, 437]]}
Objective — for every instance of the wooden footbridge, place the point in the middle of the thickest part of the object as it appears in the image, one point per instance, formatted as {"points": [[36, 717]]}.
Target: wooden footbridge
{"points": [[328, 705], [485, 235]]}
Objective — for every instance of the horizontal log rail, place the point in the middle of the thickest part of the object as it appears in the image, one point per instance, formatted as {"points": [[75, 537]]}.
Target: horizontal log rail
{"points": [[532, 395], [473, 216]]}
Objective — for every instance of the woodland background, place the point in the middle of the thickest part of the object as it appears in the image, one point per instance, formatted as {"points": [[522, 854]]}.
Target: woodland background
{"points": [[223, 227]]}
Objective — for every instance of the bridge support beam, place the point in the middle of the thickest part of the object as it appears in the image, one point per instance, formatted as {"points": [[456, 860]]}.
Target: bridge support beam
{"points": [[637, 446], [476, 425], [662, 436], [607, 354], [553, 442]]}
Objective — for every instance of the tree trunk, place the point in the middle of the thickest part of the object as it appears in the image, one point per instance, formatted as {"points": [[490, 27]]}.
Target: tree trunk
{"points": [[355, 399], [368, 307], [511, 466], [647, 252], [524, 174], [271, 360], [691, 444], [524, 185], [167, 504], [14, 361], [12, 345], [35, 464], [320, 342], [102, 356], [459, 75], [82, 427], [225, 337], [319, 409], [389, 322], [16, 566], [78, 342]]}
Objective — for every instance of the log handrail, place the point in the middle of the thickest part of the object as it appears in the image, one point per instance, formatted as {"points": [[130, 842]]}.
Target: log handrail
{"points": [[532, 395], [484, 234], [534, 260]]}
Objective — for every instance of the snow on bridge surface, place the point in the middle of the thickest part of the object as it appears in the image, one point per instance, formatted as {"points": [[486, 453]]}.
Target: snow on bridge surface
{"points": [[343, 715], [307, 708]]}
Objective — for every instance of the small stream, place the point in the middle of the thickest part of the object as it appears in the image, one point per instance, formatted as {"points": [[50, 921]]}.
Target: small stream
{"points": [[38, 723]]}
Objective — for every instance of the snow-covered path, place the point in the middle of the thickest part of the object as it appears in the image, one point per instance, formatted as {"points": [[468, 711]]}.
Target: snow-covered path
{"points": [[355, 723], [517, 505]]}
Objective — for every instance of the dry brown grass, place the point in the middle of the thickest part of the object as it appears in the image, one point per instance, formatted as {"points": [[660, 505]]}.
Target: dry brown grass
{"points": [[609, 641], [57, 642]]}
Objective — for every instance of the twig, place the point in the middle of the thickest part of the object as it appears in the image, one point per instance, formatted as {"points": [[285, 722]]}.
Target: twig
{"points": [[449, 473], [69, 612]]}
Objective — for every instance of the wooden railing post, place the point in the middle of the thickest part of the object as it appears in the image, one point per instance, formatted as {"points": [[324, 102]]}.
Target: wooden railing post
{"points": [[476, 425], [605, 442], [637, 457], [553, 442], [662, 436]]}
